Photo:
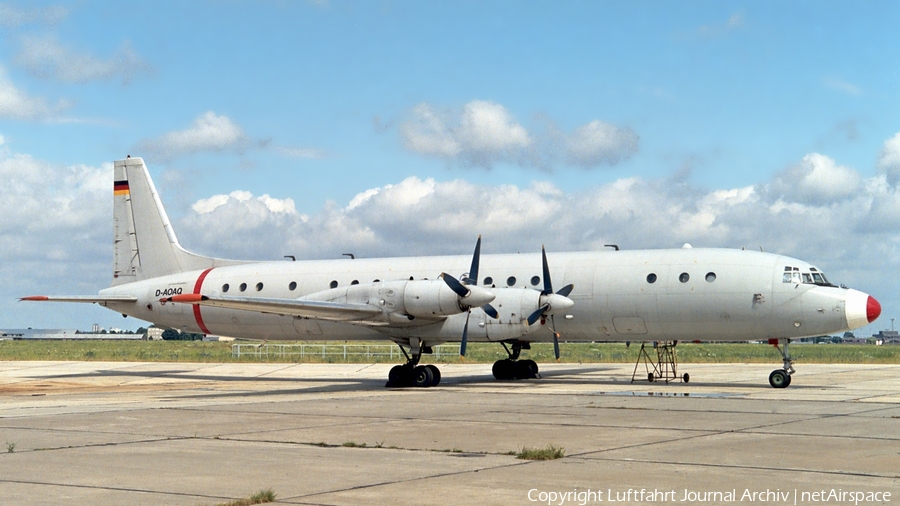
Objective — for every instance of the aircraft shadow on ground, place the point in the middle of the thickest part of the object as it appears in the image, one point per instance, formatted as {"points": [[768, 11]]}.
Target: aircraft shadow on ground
{"points": [[568, 376]]}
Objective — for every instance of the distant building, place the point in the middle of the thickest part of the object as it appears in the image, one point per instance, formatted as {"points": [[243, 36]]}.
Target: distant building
{"points": [[59, 334], [38, 334], [887, 337]]}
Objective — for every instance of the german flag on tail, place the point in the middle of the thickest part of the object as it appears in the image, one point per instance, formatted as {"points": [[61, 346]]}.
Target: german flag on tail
{"points": [[121, 188]]}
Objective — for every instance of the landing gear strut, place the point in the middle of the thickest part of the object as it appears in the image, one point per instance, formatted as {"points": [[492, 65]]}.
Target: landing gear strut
{"points": [[411, 374], [781, 378], [512, 368]]}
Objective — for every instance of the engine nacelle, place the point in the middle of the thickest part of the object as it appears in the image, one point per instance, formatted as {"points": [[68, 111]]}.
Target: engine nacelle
{"points": [[429, 298]]}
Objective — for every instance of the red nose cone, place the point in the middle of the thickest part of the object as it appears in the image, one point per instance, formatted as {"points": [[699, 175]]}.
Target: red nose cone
{"points": [[873, 309]]}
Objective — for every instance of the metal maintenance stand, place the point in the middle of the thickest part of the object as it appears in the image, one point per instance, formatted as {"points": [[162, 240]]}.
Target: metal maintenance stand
{"points": [[665, 367]]}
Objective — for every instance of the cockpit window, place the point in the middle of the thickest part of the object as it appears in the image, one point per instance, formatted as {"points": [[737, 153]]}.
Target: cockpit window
{"points": [[812, 277]]}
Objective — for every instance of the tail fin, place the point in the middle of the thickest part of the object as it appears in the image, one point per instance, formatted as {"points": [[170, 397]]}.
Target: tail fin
{"points": [[145, 245]]}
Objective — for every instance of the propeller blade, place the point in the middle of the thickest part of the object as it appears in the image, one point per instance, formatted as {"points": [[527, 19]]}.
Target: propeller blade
{"points": [[555, 337], [455, 285], [472, 278], [465, 337], [566, 290], [548, 286], [535, 316], [489, 309]]}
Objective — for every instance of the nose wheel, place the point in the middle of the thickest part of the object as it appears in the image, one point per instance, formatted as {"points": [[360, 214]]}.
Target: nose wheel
{"points": [[779, 379]]}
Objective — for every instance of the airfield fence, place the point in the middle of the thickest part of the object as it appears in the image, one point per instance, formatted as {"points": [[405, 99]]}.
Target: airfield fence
{"points": [[324, 351]]}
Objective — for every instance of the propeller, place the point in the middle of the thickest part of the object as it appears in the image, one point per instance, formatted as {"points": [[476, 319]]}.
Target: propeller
{"points": [[470, 294], [550, 303]]}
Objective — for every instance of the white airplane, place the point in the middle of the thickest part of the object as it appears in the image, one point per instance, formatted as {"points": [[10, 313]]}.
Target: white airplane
{"points": [[661, 296]]}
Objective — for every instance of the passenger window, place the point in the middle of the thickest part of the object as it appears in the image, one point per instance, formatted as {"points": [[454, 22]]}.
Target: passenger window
{"points": [[334, 284], [710, 277], [510, 281], [651, 278], [259, 287], [684, 278], [225, 287], [292, 286], [243, 287], [535, 280], [354, 282], [488, 280]]}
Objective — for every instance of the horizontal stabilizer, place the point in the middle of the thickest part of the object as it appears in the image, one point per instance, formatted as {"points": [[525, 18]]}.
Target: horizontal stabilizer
{"points": [[93, 299], [324, 310]]}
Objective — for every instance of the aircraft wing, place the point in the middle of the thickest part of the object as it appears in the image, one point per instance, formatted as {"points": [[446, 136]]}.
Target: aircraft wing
{"points": [[324, 310], [93, 299]]}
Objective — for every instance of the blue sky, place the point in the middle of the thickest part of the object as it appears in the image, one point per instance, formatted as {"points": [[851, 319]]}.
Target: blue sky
{"points": [[331, 126]]}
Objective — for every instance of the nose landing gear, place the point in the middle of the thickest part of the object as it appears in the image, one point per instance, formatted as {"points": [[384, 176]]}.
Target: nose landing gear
{"points": [[781, 378]]}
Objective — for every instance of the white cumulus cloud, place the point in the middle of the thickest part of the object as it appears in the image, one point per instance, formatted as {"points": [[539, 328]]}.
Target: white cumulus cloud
{"points": [[15, 104], [484, 133], [817, 179], [600, 143], [209, 132], [46, 58], [41, 202], [889, 159]]}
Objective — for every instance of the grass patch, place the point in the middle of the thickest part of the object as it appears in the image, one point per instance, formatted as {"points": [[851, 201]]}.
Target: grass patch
{"points": [[10, 447], [261, 497], [478, 353], [351, 444], [549, 452]]}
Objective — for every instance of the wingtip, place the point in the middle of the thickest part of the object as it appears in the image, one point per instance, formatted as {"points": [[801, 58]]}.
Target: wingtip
{"points": [[35, 298]]}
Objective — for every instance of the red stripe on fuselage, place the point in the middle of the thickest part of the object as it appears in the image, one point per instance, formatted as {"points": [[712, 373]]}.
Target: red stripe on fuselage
{"points": [[197, 316]]}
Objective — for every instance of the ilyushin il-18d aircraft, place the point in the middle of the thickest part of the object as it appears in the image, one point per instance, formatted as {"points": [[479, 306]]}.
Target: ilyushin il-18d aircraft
{"points": [[662, 296]]}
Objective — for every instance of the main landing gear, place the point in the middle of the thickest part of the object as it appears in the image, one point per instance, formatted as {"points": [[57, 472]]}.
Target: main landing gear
{"points": [[781, 378], [512, 368], [411, 374]]}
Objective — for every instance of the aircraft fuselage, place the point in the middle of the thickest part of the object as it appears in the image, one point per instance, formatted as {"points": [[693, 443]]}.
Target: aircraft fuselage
{"points": [[727, 295]]}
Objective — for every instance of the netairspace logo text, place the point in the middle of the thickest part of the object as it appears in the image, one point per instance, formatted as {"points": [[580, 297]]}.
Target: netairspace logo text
{"points": [[746, 496]]}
